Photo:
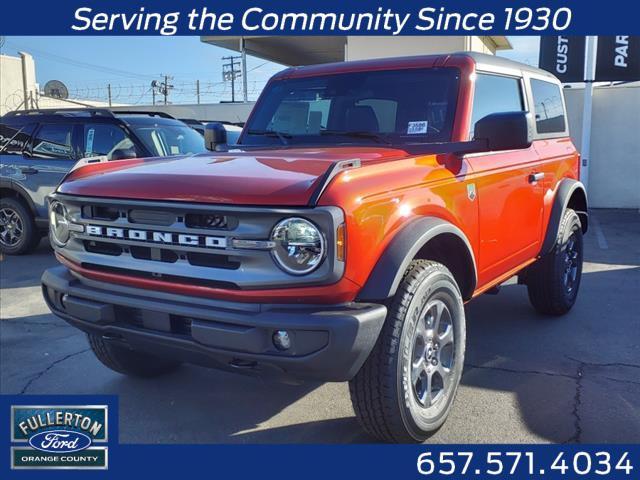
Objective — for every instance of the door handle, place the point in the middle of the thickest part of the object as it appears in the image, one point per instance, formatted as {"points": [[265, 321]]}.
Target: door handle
{"points": [[29, 170], [536, 177]]}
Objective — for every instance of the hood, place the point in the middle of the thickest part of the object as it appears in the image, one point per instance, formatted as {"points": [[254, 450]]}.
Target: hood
{"points": [[266, 177]]}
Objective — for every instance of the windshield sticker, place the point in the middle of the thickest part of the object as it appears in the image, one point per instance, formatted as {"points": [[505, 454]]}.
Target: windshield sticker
{"points": [[89, 147], [416, 128]]}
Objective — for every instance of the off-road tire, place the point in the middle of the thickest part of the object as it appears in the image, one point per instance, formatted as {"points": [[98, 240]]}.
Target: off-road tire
{"points": [[546, 282], [29, 236], [382, 392], [123, 360]]}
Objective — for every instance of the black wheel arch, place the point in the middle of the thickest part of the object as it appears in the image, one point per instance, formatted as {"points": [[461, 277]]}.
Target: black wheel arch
{"points": [[11, 189], [572, 194], [424, 238]]}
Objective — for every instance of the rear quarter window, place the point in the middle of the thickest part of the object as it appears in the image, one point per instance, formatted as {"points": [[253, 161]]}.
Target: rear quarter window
{"points": [[548, 107], [14, 138], [495, 94]]}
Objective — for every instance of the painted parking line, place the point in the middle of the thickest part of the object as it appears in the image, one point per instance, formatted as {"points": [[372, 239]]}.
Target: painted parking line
{"points": [[602, 240]]}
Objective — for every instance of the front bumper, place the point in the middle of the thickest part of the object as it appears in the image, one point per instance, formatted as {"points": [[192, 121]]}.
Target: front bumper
{"points": [[328, 343]]}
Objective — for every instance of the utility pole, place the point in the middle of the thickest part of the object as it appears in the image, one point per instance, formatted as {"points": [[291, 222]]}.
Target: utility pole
{"points": [[109, 93], [244, 72], [198, 91], [230, 73], [162, 88], [165, 90]]}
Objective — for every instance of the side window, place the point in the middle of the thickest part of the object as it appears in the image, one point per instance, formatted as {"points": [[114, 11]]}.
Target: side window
{"points": [[495, 94], [14, 138], [53, 141], [103, 139], [547, 103]]}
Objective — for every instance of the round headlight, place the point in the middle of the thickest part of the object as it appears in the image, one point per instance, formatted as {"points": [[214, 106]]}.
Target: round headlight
{"points": [[58, 224], [299, 246]]}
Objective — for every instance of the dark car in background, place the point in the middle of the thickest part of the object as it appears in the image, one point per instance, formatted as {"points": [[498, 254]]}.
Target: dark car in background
{"points": [[39, 147]]}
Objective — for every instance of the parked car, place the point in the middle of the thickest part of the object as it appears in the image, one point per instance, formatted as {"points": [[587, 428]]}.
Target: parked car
{"points": [[365, 203], [39, 147]]}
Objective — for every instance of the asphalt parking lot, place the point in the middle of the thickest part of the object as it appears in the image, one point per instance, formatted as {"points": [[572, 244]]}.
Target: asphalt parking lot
{"points": [[527, 378]]}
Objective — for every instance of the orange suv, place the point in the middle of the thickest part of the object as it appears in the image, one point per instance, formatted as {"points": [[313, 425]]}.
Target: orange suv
{"points": [[363, 205]]}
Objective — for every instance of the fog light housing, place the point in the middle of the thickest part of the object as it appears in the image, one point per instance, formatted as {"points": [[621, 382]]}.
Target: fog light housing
{"points": [[282, 340]]}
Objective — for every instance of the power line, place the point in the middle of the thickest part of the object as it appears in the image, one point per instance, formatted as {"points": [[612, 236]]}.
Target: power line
{"points": [[77, 63]]}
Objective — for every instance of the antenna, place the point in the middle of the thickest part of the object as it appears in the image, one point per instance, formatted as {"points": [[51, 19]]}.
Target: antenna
{"points": [[56, 89]]}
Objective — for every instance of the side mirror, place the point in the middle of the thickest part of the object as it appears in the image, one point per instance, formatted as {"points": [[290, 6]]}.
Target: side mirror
{"points": [[215, 137], [123, 154], [505, 131]]}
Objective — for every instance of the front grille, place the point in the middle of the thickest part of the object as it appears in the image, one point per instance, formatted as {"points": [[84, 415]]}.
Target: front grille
{"points": [[191, 243], [152, 217], [102, 248], [208, 221]]}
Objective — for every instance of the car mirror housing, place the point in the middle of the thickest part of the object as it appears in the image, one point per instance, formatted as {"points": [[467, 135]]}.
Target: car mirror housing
{"points": [[505, 131], [215, 136]]}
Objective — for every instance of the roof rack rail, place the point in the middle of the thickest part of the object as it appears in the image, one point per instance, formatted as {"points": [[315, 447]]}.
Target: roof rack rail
{"points": [[47, 111], [143, 112]]}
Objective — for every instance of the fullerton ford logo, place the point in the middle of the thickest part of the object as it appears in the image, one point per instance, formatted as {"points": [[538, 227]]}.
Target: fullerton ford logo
{"points": [[59, 436], [169, 238], [60, 441]]}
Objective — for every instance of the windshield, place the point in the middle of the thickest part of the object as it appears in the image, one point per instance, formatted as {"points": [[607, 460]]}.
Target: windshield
{"points": [[167, 140], [390, 106]]}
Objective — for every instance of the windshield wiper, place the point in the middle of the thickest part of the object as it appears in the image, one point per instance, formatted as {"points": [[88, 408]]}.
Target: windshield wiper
{"points": [[358, 134], [272, 133]]}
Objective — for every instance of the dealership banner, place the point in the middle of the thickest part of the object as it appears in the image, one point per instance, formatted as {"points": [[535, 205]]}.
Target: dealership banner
{"points": [[563, 56], [618, 58], [326, 17], [77, 437]]}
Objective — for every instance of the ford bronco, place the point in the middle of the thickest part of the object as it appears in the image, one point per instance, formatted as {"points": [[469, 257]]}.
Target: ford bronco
{"points": [[365, 203]]}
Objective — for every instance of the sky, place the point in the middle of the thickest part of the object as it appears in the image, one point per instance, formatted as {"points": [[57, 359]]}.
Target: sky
{"points": [[86, 65]]}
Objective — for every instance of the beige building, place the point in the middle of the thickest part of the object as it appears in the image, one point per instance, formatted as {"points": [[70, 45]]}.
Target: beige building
{"points": [[19, 89], [308, 50]]}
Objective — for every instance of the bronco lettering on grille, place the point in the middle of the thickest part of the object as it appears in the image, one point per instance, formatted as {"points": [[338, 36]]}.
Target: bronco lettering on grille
{"points": [[171, 238]]}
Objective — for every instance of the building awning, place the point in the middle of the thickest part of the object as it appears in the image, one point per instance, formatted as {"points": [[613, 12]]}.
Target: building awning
{"points": [[307, 50]]}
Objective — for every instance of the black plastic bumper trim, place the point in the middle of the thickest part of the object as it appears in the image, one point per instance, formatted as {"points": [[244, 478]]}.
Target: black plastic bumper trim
{"points": [[329, 343]]}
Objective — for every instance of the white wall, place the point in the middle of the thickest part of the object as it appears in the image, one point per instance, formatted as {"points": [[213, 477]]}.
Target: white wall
{"points": [[11, 81], [614, 172]]}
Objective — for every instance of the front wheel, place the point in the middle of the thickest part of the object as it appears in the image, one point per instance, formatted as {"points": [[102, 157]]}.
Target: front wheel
{"points": [[18, 233], [404, 391], [122, 359], [553, 281]]}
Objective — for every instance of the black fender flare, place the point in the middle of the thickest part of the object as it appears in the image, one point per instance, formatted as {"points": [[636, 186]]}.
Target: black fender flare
{"points": [[403, 248], [6, 183], [566, 190]]}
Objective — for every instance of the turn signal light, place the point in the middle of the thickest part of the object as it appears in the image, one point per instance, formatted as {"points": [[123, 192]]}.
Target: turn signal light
{"points": [[340, 243]]}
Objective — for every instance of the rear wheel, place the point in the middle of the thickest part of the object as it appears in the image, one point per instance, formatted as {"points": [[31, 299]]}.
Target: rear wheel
{"points": [[553, 281], [122, 359], [405, 389], [18, 232]]}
